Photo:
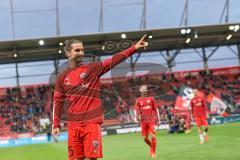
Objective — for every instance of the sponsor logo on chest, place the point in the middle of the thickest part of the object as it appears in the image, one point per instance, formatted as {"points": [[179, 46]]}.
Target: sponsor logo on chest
{"points": [[82, 75], [77, 82], [148, 101], [67, 81], [197, 102]]}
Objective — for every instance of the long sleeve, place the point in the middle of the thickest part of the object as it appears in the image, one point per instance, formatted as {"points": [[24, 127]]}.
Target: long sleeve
{"points": [[192, 107], [58, 103], [136, 111], [156, 109], [117, 58], [205, 106], [158, 115]]}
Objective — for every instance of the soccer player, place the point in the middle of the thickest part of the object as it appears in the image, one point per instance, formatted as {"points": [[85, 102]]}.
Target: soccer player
{"points": [[77, 94], [147, 112], [200, 114]]}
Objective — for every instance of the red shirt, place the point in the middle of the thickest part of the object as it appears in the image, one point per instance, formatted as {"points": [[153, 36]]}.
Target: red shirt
{"points": [[147, 108], [77, 91], [198, 106]]}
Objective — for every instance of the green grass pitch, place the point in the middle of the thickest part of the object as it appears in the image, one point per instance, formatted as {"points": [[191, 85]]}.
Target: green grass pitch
{"points": [[224, 144]]}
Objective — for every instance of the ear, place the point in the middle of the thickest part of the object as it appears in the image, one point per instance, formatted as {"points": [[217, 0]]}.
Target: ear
{"points": [[67, 54]]}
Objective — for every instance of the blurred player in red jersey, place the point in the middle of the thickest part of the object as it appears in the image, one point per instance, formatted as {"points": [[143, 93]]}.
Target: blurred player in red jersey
{"points": [[147, 112], [77, 89], [200, 114]]}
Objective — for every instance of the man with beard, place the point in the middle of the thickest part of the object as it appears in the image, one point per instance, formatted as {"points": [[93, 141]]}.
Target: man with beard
{"points": [[78, 89]]}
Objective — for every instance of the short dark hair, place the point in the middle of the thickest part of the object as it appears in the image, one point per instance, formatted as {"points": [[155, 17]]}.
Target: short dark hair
{"points": [[68, 44]]}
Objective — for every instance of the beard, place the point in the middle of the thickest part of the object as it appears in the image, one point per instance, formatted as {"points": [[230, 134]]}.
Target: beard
{"points": [[144, 94], [75, 61], [78, 59]]}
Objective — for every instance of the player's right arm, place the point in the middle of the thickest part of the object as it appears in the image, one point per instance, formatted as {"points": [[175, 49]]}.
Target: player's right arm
{"points": [[157, 111], [103, 67], [205, 108], [117, 58], [58, 103], [192, 108], [136, 112]]}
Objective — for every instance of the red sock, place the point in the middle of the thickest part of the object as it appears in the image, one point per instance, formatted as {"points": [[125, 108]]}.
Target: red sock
{"points": [[153, 146], [147, 141]]}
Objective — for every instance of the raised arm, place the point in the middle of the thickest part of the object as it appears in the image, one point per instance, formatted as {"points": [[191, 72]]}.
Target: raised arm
{"points": [[117, 58]]}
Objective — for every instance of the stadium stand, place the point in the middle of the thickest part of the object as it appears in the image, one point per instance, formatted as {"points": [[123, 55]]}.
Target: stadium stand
{"points": [[22, 108]]}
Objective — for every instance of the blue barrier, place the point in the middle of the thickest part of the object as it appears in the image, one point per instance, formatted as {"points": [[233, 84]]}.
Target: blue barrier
{"points": [[64, 136], [33, 140], [222, 120]]}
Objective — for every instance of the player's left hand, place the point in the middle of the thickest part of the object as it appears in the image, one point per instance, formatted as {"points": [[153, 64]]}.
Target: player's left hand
{"points": [[136, 121], [192, 117], [55, 134], [158, 123], [208, 116], [141, 43]]}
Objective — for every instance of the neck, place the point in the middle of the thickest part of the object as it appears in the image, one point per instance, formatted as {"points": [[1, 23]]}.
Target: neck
{"points": [[144, 95], [73, 64]]}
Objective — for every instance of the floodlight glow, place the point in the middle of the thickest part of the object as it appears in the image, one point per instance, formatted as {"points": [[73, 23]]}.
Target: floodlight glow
{"points": [[183, 31], [188, 31], [195, 34], [103, 47], [236, 28], [188, 40], [60, 44], [41, 42], [123, 36], [229, 37], [231, 28], [150, 36]]}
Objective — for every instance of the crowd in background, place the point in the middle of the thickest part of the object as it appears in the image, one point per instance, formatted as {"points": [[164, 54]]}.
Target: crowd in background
{"points": [[22, 108]]}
